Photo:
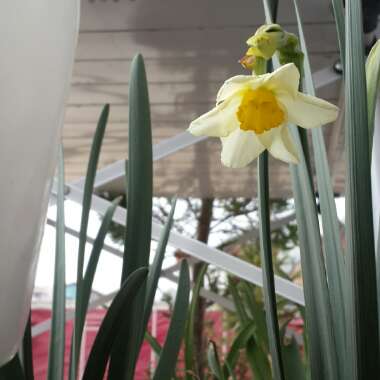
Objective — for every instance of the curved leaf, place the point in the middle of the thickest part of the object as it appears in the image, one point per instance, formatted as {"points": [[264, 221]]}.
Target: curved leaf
{"points": [[139, 219], [168, 358], [189, 338], [57, 336], [110, 327]]}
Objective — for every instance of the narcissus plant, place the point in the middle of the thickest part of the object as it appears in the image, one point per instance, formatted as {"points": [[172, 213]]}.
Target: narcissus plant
{"points": [[252, 114]]}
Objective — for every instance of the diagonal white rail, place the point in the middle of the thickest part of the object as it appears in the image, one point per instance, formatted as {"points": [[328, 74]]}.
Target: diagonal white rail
{"points": [[163, 149], [199, 250]]}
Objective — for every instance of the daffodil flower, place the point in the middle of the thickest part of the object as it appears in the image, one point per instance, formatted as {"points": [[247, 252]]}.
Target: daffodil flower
{"points": [[252, 114]]}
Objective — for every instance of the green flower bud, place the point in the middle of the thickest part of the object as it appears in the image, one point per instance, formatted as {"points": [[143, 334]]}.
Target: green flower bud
{"points": [[266, 40]]}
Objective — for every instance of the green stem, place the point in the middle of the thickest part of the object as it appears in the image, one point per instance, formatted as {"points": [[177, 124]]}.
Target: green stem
{"points": [[266, 262]]}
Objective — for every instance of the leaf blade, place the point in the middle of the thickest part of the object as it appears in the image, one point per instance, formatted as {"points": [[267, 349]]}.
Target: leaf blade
{"points": [[57, 335], [110, 327], [86, 206], [167, 362], [139, 218], [362, 316]]}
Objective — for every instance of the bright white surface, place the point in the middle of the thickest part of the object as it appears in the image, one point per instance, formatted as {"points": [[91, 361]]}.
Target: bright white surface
{"points": [[37, 49]]}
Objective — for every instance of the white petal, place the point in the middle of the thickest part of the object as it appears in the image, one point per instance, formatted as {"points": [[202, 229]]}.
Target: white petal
{"points": [[308, 111], [282, 146], [218, 122], [240, 148], [284, 80], [238, 83]]}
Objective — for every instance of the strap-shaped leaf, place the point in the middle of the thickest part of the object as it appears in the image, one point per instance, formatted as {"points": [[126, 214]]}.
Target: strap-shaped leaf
{"points": [[334, 259], [111, 325], [27, 350], [12, 370], [373, 79], [238, 344], [340, 26], [294, 368], [92, 265], [57, 336], [323, 355], [153, 343], [139, 219], [168, 359], [258, 361], [362, 316], [189, 336], [214, 361], [155, 270], [86, 206]]}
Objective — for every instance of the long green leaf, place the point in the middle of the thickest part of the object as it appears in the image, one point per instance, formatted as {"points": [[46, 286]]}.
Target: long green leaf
{"points": [[231, 374], [168, 358], [155, 270], [57, 336], [27, 351], [239, 342], [12, 370], [294, 369], [153, 343], [86, 206], [240, 309], [334, 260], [373, 79], [258, 361], [139, 219], [214, 361], [92, 265], [362, 316], [190, 366], [318, 309], [111, 325], [267, 267], [256, 312], [339, 20]]}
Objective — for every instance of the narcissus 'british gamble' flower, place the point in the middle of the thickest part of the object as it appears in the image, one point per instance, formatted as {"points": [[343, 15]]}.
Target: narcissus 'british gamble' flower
{"points": [[252, 114]]}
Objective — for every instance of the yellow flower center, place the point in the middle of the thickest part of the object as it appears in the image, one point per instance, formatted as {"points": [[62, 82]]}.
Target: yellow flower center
{"points": [[259, 111]]}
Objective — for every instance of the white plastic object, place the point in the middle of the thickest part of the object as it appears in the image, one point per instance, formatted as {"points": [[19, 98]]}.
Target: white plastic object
{"points": [[37, 43]]}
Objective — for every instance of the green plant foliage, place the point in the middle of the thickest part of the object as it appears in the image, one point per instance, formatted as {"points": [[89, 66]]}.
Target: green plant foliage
{"points": [[152, 341], [190, 366], [239, 343], [323, 354], [92, 265], [267, 265], [86, 206], [111, 325], [334, 259], [58, 320], [214, 362], [258, 361], [294, 368], [155, 270], [27, 350], [168, 358], [362, 317], [373, 80], [12, 370], [139, 219]]}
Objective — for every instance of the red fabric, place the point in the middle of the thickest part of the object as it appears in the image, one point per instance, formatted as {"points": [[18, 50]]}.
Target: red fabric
{"points": [[146, 360]]}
